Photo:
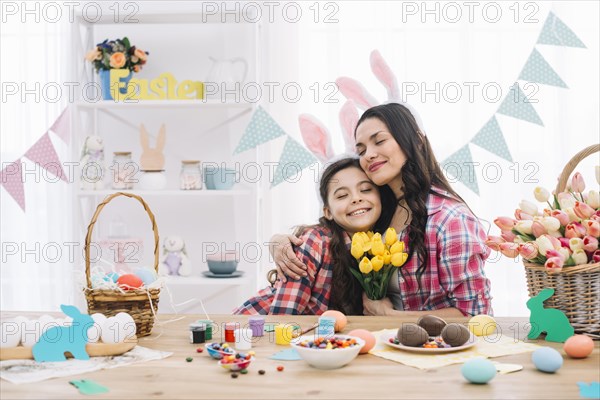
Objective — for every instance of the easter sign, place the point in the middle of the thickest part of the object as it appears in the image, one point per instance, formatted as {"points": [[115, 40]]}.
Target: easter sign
{"points": [[165, 87]]}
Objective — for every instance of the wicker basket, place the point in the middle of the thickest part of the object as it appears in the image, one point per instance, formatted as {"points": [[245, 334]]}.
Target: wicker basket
{"points": [[141, 304], [576, 289]]}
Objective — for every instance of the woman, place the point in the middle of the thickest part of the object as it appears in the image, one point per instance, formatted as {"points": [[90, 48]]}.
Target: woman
{"points": [[447, 252], [351, 203]]}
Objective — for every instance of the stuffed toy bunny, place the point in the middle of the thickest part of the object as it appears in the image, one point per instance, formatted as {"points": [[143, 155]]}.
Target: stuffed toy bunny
{"points": [[92, 164], [152, 159], [175, 260]]}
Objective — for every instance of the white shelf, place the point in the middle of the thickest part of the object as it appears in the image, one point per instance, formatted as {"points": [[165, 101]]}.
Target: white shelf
{"points": [[173, 281], [132, 104], [108, 18], [184, 193]]}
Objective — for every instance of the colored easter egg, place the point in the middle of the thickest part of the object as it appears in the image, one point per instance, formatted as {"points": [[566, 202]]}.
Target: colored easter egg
{"points": [[478, 370], [146, 275], [432, 324], [340, 319], [111, 276], [455, 334], [482, 325], [367, 336], [578, 346], [546, 359], [412, 335], [129, 282]]}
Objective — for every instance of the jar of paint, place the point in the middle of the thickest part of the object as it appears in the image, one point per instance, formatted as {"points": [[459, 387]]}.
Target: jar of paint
{"points": [[209, 327], [257, 325], [197, 333], [230, 328]]}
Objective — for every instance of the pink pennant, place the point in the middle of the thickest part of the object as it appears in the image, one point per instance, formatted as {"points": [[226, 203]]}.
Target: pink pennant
{"points": [[12, 180], [43, 154], [61, 127]]}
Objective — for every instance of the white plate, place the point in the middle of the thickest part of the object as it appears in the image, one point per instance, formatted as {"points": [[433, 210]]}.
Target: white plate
{"points": [[386, 339]]}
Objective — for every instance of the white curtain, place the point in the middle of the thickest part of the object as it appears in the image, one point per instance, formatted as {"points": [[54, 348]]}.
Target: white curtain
{"points": [[37, 254], [433, 54]]}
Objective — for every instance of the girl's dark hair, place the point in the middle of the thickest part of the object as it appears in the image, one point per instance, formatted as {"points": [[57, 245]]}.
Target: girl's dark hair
{"points": [[346, 292], [420, 172]]}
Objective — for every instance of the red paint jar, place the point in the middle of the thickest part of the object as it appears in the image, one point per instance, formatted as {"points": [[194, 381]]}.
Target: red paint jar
{"points": [[230, 327]]}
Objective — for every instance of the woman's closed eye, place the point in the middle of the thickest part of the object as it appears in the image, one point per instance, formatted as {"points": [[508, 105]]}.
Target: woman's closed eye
{"points": [[341, 196]]}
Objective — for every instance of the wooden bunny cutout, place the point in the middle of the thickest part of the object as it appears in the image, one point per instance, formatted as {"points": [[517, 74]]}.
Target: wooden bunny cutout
{"points": [[552, 321], [152, 159]]}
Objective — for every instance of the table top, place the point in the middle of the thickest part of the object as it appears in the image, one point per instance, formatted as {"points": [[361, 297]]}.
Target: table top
{"points": [[367, 377]]}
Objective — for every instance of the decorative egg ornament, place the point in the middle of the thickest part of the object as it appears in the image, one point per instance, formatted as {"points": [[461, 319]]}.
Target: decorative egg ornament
{"points": [[478, 370], [546, 359]]}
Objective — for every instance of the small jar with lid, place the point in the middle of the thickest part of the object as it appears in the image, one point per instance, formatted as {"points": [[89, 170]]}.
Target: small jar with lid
{"points": [[123, 170], [191, 175]]}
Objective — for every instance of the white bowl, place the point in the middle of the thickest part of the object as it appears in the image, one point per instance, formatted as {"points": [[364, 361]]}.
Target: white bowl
{"points": [[327, 359]]}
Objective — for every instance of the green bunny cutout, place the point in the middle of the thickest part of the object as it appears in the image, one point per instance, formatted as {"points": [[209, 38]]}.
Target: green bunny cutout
{"points": [[552, 321]]}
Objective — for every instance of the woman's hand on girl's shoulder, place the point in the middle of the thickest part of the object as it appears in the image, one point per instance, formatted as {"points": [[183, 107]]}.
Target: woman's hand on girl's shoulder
{"points": [[286, 262]]}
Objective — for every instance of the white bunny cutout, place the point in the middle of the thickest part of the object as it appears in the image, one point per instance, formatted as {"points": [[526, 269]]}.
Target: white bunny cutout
{"points": [[354, 90]]}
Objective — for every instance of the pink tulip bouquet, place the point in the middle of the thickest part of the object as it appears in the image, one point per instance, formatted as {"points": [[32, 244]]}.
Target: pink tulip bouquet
{"points": [[563, 233]]}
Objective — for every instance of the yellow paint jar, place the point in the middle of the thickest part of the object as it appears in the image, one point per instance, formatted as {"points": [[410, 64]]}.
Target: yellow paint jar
{"points": [[283, 334]]}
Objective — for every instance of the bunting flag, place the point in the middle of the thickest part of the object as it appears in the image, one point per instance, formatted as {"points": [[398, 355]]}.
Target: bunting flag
{"points": [[62, 127], [12, 180], [261, 129], [517, 105], [538, 70], [556, 33], [294, 158], [43, 154], [490, 138], [460, 166]]}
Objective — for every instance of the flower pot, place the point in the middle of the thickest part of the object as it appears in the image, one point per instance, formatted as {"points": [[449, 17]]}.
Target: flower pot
{"points": [[105, 84]]}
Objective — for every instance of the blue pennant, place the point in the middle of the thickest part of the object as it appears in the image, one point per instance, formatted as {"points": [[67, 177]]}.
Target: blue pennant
{"points": [[460, 166], [556, 33], [491, 139], [517, 105], [538, 70], [261, 129], [294, 158]]}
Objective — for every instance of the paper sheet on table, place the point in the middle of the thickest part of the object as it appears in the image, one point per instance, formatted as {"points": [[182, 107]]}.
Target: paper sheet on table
{"points": [[28, 371], [487, 346]]}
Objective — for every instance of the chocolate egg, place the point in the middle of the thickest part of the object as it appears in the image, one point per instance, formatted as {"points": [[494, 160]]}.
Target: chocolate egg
{"points": [[432, 324], [455, 334], [412, 335]]}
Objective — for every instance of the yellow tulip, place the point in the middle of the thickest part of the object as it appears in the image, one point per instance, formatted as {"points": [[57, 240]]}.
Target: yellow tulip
{"points": [[365, 236], [398, 259], [357, 239], [391, 236], [365, 266], [370, 234], [377, 248], [357, 251], [387, 257], [397, 247], [376, 237], [377, 263]]}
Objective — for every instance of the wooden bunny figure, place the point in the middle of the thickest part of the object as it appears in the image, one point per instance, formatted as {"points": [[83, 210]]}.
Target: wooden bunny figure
{"points": [[152, 159], [552, 321]]}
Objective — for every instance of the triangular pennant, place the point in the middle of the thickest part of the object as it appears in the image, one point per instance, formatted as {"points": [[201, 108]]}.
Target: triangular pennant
{"points": [[12, 180], [294, 158], [490, 137], [261, 129], [43, 154], [460, 166], [517, 105], [556, 33], [62, 127], [538, 70]]}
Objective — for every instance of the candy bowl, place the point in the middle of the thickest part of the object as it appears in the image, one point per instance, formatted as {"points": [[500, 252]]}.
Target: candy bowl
{"points": [[233, 364], [328, 353], [219, 350]]}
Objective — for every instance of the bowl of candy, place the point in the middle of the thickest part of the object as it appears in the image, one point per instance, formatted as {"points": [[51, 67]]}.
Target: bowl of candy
{"points": [[328, 352], [219, 350], [236, 362]]}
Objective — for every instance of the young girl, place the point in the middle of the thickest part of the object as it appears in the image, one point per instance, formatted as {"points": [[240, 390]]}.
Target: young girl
{"points": [[351, 203], [447, 252]]}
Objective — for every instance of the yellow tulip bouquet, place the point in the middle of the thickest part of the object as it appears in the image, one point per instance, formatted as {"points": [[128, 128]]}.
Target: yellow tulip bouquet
{"points": [[377, 260]]}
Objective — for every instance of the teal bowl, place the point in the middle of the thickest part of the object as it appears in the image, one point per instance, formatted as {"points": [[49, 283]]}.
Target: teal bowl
{"points": [[222, 267], [219, 178]]}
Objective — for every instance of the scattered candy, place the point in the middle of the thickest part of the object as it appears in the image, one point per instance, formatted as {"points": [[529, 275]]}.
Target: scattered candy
{"points": [[244, 371], [329, 344], [280, 368], [234, 375], [261, 371], [199, 350], [251, 353], [189, 359]]}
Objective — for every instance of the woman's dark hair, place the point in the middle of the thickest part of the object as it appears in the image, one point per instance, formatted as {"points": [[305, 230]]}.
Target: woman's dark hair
{"points": [[346, 292], [419, 173]]}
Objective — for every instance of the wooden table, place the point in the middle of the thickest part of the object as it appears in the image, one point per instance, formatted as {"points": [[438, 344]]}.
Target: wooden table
{"points": [[367, 377]]}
